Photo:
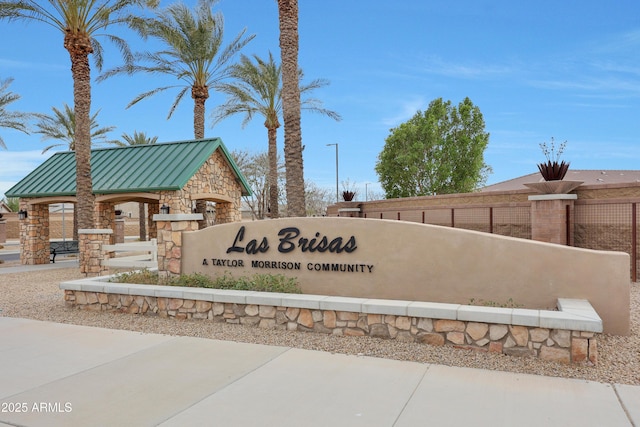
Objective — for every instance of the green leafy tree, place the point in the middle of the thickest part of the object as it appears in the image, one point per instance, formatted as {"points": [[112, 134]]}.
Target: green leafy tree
{"points": [[13, 203], [288, 23], [138, 138], [438, 151], [79, 21], [256, 89], [11, 119], [61, 126]]}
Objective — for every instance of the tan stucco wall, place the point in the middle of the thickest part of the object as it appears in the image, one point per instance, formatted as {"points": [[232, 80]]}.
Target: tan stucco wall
{"points": [[425, 263]]}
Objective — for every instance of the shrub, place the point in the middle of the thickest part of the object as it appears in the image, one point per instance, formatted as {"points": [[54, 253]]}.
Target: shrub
{"points": [[141, 277], [257, 282]]}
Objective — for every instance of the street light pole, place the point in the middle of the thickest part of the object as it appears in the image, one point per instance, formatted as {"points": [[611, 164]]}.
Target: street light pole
{"points": [[337, 192]]}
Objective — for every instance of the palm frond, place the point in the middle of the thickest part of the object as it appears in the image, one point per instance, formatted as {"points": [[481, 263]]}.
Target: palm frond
{"points": [[193, 52], [11, 119]]}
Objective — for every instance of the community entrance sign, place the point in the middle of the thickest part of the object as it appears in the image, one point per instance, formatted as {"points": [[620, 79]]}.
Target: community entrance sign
{"points": [[371, 258]]}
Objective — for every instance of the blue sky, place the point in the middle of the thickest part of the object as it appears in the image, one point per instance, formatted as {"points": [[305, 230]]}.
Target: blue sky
{"points": [[563, 69]]}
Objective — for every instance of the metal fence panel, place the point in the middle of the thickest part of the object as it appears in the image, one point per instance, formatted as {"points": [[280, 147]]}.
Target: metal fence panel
{"points": [[607, 227]]}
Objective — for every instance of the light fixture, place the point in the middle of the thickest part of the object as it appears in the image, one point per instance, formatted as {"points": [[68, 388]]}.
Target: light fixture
{"points": [[22, 214], [164, 210]]}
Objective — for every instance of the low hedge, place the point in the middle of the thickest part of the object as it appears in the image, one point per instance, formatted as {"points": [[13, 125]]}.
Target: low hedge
{"points": [[257, 282]]}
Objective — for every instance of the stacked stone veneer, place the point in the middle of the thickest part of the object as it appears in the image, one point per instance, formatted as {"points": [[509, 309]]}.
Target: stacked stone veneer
{"points": [[214, 177], [169, 230], [106, 218], [550, 343], [34, 233], [91, 253]]}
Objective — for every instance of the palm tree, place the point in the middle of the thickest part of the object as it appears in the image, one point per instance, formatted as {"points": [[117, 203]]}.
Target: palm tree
{"points": [[10, 119], [288, 19], [138, 138], [62, 126], [79, 21], [257, 90], [193, 54]]}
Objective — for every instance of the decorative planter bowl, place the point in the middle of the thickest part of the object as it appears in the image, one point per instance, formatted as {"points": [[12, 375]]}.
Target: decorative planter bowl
{"points": [[554, 187]]}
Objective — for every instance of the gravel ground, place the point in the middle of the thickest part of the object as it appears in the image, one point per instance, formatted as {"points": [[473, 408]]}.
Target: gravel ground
{"points": [[619, 357]]}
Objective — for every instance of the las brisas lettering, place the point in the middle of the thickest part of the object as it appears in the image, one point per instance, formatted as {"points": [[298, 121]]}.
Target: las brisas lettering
{"points": [[289, 240]]}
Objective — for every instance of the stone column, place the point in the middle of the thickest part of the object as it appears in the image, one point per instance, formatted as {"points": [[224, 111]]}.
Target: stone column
{"points": [[226, 213], [170, 228], [152, 229], [201, 208], [106, 218], [549, 218], [119, 230], [91, 252], [34, 234]]}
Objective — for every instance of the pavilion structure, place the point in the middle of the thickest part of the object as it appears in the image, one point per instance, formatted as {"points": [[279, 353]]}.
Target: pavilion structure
{"points": [[172, 178]]}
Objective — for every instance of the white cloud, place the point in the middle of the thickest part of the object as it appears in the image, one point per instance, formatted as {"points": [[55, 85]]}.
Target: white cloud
{"points": [[407, 110], [608, 86], [436, 65], [15, 165], [627, 42]]}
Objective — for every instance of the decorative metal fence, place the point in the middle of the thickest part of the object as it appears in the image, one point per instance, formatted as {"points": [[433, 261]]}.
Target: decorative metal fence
{"points": [[608, 226], [511, 220], [601, 225]]}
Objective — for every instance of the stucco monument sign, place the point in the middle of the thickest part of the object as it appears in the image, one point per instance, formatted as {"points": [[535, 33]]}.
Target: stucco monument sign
{"points": [[386, 259]]}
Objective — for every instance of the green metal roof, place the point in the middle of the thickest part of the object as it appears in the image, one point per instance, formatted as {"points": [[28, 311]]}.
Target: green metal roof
{"points": [[131, 169]]}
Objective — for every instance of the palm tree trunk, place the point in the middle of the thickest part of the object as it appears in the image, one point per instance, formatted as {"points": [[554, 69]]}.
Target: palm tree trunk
{"points": [[142, 222], [199, 95], [79, 49], [75, 223], [288, 17], [272, 154]]}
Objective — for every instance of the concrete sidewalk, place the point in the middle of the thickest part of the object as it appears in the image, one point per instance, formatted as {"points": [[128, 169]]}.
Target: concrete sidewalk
{"points": [[68, 375], [17, 268]]}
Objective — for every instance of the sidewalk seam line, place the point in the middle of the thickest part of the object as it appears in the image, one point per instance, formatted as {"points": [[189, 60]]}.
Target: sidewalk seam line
{"points": [[227, 385], [413, 392], [624, 407]]}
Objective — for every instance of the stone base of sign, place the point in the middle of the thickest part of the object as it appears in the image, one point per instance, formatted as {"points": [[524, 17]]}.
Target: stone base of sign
{"points": [[560, 336]]}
